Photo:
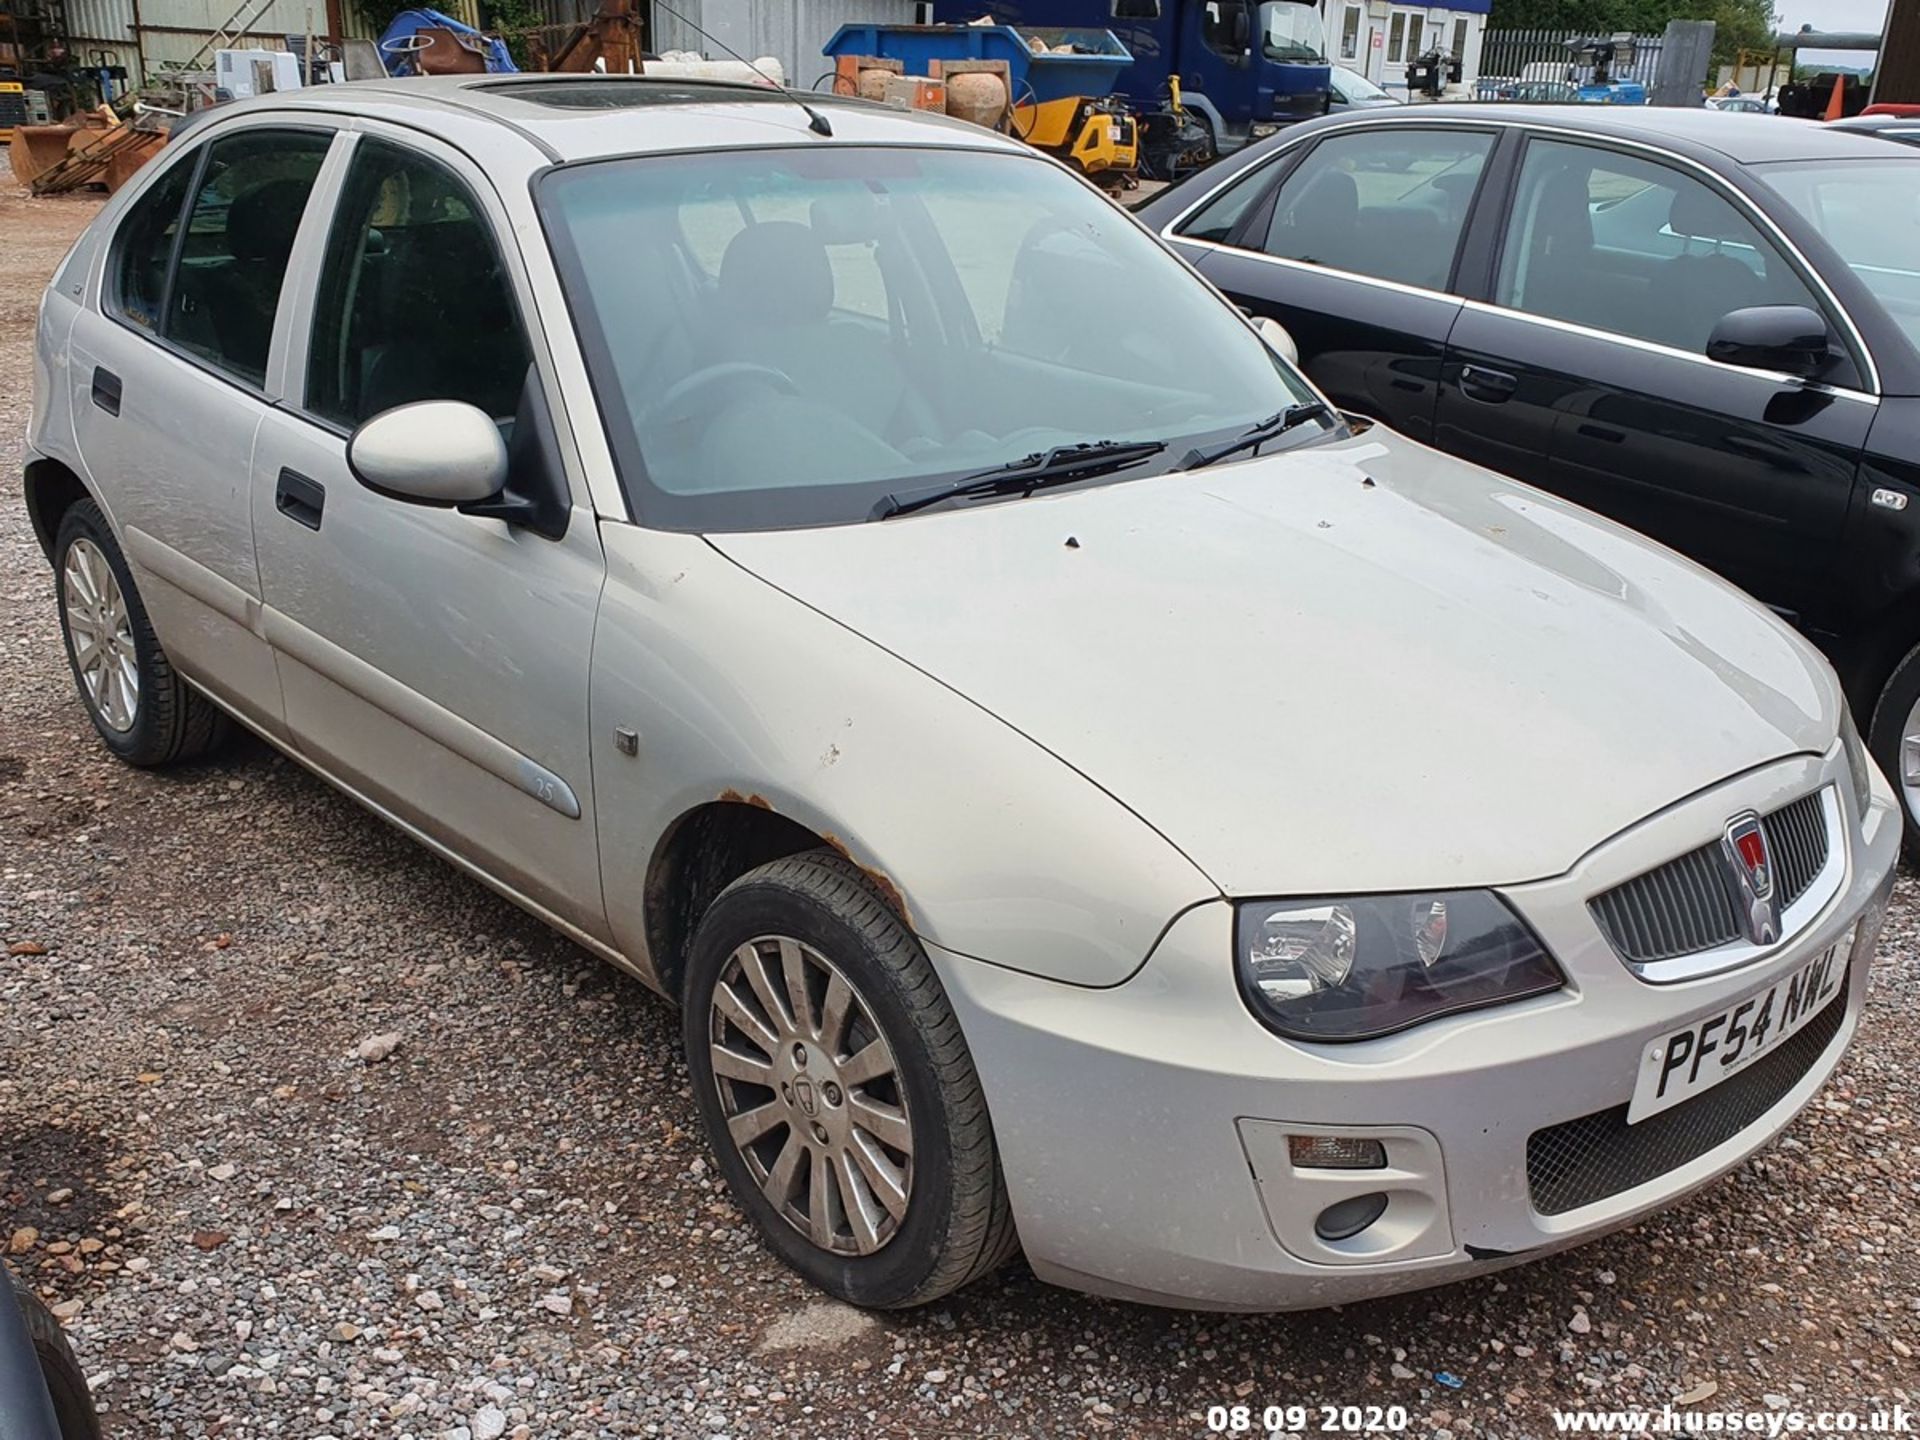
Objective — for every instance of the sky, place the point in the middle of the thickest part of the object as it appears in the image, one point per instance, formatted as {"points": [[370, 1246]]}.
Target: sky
{"points": [[1831, 15]]}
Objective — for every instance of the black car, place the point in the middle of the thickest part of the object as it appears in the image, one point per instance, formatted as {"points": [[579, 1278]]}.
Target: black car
{"points": [[1705, 325]]}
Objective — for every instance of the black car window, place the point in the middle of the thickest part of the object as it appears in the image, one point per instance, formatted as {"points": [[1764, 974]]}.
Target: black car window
{"points": [[1226, 26], [251, 193], [1634, 247], [414, 301], [1389, 203], [145, 248]]}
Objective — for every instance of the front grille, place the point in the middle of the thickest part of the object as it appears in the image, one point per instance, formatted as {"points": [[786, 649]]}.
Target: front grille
{"points": [[1687, 905], [1586, 1160]]}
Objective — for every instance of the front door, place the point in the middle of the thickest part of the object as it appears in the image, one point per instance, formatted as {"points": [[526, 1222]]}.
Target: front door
{"points": [[1588, 376], [432, 661], [169, 379]]}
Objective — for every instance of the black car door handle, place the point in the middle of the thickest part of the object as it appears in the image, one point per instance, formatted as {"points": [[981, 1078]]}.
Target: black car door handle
{"points": [[1493, 386], [106, 390], [299, 498]]}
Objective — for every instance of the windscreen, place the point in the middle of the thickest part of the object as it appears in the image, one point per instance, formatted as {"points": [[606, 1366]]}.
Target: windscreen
{"points": [[1869, 211], [786, 336]]}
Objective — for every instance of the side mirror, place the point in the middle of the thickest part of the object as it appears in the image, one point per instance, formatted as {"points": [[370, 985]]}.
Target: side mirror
{"points": [[433, 452], [1788, 338], [1278, 338]]}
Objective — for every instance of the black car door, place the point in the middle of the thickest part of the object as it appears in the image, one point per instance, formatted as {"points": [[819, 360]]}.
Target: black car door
{"points": [[1584, 369], [1351, 245]]}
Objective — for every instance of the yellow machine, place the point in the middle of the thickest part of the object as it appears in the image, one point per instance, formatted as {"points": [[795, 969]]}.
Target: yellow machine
{"points": [[1096, 134], [13, 108]]}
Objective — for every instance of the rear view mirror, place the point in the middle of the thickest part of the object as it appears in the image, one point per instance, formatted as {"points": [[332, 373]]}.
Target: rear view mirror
{"points": [[1788, 338], [433, 452], [1278, 338]]}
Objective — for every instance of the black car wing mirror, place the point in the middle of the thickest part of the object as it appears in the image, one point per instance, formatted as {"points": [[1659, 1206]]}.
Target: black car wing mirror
{"points": [[1792, 339]]}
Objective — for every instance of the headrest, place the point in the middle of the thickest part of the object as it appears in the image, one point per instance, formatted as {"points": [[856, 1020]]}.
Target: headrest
{"points": [[776, 273], [1698, 212], [1330, 195], [261, 224], [854, 218], [1564, 217]]}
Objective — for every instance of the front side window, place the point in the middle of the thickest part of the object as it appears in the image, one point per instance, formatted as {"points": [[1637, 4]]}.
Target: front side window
{"points": [[788, 336], [414, 301], [1224, 26], [1633, 247], [1391, 204], [252, 191], [144, 250], [1868, 211], [1350, 33]]}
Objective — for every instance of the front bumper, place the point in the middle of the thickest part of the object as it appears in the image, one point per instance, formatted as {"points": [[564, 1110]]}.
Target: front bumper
{"points": [[1142, 1128]]}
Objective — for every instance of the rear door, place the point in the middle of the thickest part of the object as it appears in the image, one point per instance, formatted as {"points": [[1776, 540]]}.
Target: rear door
{"points": [[169, 380], [1353, 249], [1585, 370]]}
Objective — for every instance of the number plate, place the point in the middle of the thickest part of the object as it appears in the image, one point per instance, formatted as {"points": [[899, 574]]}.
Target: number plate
{"points": [[1679, 1066]]}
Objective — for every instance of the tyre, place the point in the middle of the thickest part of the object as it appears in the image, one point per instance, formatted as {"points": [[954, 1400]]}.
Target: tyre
{"points": [[142, 709], [1894, 735], [66, 1385], [836, 1088]]}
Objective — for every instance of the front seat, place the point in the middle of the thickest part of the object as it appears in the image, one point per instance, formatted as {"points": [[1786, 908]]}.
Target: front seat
{"points": [[261, 225], [776, 293], [1556, 264], [1703, 282], [1323, 224]]}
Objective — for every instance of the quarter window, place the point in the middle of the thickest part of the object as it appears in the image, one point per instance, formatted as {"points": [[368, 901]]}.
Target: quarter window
{"points": [[414, 301], [1391, 204], [1634, 247], [246, 210]]}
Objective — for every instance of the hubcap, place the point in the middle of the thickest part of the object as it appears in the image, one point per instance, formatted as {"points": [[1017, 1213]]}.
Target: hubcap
{"points": [[100, 635], [1910, 761], [811, 1094]]}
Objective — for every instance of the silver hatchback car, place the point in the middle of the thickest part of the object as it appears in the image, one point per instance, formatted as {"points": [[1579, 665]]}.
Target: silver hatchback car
{"points": [[1088, 796]]}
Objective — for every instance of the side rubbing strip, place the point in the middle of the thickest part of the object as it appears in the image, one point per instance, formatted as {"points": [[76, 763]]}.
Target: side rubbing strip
{"points": [[409, 707]]}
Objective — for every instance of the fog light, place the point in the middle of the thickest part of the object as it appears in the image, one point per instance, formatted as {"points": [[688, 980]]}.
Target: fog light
{"points": [[1335, 1152], [1348, 1218]]}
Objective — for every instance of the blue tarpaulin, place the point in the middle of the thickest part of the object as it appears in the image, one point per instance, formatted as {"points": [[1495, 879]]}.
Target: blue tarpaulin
{"points": [[396, 51]]}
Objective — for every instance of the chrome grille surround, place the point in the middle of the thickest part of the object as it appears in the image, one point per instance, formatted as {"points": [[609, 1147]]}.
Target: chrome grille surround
{"points": [[1678, 921]]}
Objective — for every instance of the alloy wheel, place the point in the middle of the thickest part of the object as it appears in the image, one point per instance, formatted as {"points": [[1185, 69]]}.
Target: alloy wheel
{"points": [[100, 631], [811, 1093]]}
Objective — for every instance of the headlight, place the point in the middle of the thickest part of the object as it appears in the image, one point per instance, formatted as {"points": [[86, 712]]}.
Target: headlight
{"points": [[1859, 763], [1354, 969]]}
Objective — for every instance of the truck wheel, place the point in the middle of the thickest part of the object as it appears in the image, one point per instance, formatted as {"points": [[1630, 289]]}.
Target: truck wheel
{"points": [[142, 709], [836, 1088], [1893, 739], [66, 1385]]}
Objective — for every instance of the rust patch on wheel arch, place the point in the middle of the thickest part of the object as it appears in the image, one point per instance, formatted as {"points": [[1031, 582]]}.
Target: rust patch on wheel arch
{"points": [[880, 880], [734, 797]]}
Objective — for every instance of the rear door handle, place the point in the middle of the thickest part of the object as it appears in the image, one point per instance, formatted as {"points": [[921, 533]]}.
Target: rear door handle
{"points": [[300, 499], [106, 390], [1492, 386]]}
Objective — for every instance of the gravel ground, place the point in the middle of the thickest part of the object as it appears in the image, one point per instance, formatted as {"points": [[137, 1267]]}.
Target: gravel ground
{"points": [[509, 1224]]}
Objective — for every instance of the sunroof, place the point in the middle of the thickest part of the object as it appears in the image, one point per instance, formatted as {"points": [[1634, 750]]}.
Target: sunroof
{"points": [[628, 92]]}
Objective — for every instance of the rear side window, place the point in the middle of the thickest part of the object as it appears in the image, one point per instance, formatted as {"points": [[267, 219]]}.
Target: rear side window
{"points": [[213, 288], [146, 248], [414, 302], [1391, 204]]}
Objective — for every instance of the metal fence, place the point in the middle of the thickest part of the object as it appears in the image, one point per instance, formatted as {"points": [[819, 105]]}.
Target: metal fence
{"points": [[1511, 56]]}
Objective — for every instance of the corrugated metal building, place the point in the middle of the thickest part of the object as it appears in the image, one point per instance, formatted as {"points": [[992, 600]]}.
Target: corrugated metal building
{"points": [[149, 35], [792, 31]]}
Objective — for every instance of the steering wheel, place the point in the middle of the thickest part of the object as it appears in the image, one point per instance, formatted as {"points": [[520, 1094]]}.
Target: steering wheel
{"points": [[672, 407]]}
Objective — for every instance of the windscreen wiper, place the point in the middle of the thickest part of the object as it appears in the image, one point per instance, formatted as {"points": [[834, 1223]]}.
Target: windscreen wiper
{"points": [[1271, 428], [1058, 466]]}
